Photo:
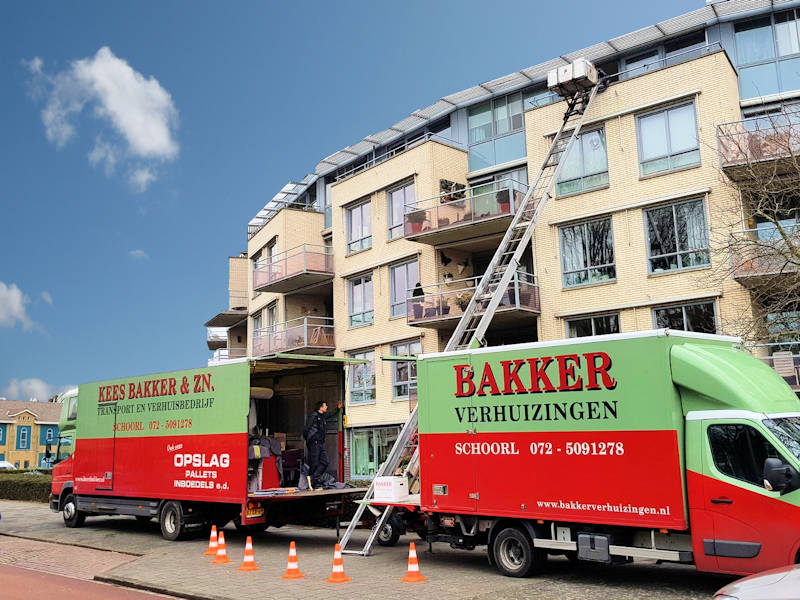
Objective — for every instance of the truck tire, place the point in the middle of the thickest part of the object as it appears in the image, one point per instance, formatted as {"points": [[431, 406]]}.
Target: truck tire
{"points": [[389, 533], [72, 516], [514, 554], [171, 521]]}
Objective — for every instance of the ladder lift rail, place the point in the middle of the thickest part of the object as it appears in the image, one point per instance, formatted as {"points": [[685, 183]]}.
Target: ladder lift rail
{"points": [[473, 324]]}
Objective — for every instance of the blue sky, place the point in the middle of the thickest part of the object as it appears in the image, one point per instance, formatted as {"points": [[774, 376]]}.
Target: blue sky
{"points": [[138, 139]]}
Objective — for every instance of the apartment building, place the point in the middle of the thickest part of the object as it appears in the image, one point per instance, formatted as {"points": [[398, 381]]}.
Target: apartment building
{"points": [[26, 428], [377, 252]]}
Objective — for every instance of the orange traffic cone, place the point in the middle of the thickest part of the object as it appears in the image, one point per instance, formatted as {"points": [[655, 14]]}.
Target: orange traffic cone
{"points": [[212, 543], [222, 553], [413, 574], [337, 574], [249, 561], [292, 569]]}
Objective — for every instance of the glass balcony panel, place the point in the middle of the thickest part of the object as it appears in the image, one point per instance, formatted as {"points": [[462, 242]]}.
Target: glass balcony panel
{"points": [[310, 334]]}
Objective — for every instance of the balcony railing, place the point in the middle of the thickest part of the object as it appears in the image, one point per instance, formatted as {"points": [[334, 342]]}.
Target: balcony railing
{"points": [[225, 354], [765, 252], [313, 335], [217, 334], [759, 139], [448, 301], [272, 208], [305, 264], [464, 207]]}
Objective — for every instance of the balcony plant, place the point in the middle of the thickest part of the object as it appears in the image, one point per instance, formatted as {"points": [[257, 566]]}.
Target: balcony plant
{"points": [[503, 199], [463, 298]]}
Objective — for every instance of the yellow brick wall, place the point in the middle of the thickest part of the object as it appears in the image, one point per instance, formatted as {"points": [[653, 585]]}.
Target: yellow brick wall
{"points": [[427, 164], [238, 273], [716, 102], [13, 455]]}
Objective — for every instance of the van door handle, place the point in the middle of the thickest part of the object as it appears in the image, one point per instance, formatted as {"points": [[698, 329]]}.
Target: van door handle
{"points": [[721, 501]]}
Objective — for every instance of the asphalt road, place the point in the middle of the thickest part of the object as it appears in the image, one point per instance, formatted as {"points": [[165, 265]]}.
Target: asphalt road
{"points": [[123, 551]]}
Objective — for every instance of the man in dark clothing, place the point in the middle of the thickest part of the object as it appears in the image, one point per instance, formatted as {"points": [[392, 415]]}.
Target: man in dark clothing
{"points": [[314, 432]]}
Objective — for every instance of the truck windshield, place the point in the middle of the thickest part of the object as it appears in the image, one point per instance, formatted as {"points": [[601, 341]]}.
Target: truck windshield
{"points": [[787, 430]]}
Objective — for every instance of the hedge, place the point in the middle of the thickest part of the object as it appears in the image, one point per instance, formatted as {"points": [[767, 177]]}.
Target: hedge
{"points": [[17, 486]]}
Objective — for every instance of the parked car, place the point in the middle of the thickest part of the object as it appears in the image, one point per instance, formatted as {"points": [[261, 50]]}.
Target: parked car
{"points": [[6, 466], [776, 584]]}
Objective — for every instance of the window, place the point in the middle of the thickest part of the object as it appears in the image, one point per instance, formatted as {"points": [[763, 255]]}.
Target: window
{"points": [[768, 54], [360, 300], [401, 279], [642, 63], [586, 165], [688, 317], [72, 414], [404, 374], [362, 378], [401, 200], [668, 140], [596, 325], [536, 97], [784, 331], [49, 435], [257, 322], [677, 237], [272, 315], [23, 437], [2, 434], [369, 448], [359, 227], [739, 451], [587, 253], [496, 132]]}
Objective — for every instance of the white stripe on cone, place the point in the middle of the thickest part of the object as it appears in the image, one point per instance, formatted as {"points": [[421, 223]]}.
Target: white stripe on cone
{"points": [[413, 567], [412, 554], [292, 552], [338, 568]]}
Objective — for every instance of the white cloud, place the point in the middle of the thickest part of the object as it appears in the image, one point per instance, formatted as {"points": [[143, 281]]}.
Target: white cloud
{"points": [[138, 254], [141, 178], [12, 307], [47, 297], [32, 389], [137, 110]]}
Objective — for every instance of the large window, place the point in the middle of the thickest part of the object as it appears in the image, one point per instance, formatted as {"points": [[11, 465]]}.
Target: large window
{"points": [[23, 437], [496, 132], [404, 374], [595, 325], [677, 237], [586, 165], [739, 451], [362, 378], [272, 315], [401, 279], [257, 323], [587, 253], [401, 200], [668, 139], [768, 54], [688, 317], [360, 300], [359, 227], [369, 448]]}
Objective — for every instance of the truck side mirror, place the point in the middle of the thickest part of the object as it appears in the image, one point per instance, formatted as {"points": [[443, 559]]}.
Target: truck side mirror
{"points": [[782, 477]]}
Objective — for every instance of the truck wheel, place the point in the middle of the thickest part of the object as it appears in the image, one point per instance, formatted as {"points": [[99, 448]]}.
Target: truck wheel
{"points": [[514, 554], [72, 516], [389, 533], [171, 521]]}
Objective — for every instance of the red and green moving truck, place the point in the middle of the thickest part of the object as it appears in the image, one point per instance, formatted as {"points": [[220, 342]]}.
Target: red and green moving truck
{"points": [[663, 445], [174, 446]]}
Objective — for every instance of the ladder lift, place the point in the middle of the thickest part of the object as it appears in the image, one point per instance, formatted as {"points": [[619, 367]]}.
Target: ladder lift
{"points": [[578, 83]]}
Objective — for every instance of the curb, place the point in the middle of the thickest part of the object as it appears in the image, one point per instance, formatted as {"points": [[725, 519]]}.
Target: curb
{"points": [[145, 587], [76, 544]]}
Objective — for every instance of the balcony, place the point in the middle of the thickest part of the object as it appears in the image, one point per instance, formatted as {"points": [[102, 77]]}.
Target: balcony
{"points": [[216, 337], [301, 267], [441, 305], [784, 362], [224, 355], [270, 211], [306, 335], [759, 256], [761, 146], [471, 212]]}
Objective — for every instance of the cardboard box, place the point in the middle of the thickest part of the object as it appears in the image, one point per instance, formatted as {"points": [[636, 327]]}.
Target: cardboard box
{"points": [[391, 488], [282, 438]]}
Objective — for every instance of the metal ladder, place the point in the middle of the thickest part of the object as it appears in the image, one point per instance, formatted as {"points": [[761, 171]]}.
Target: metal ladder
{"points": [[472, 326]]}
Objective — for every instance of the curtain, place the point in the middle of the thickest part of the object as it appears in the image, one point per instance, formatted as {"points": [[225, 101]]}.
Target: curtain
{"points": [[573, 248], [595, 159], [653, 134], [682, 129], [754, 41], [692, 233]]}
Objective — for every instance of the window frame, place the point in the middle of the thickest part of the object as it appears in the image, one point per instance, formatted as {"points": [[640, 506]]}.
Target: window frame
{"points": [[365, 241], [373, 434], [764, 435], [368, 316], [366, 390], [591, 318], [584, 176], [670, 155], [411, 382], [49, 435], [588, 268], [678, 252], [494, 104], [395, 302], [23, 438], [776, 57], [683, 307], [407, 207]]}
